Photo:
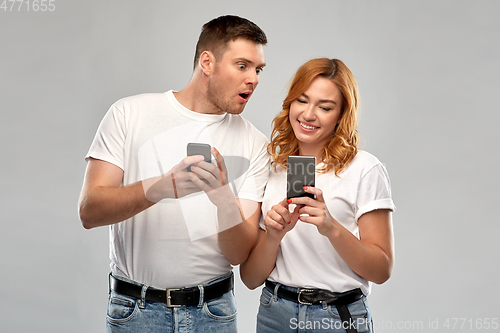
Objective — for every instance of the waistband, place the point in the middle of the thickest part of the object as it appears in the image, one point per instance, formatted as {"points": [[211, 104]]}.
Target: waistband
{"points": [[316, 296], [174, 297]]}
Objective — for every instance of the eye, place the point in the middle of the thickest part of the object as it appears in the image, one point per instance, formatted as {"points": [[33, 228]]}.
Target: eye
{"points": [[325, 108], [242, 66], [259, 70], [301, 101]]}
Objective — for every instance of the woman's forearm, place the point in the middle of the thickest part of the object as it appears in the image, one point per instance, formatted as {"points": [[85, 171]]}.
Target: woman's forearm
{"points": [[371, 256], [260, 262]]}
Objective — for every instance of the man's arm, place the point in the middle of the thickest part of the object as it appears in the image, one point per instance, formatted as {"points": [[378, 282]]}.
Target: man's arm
{"points": [[103, 201], [237, 219], [237, 242]]}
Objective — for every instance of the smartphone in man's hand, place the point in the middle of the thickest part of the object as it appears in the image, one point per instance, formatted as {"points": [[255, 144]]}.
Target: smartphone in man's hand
{"points": [[194, 148]]}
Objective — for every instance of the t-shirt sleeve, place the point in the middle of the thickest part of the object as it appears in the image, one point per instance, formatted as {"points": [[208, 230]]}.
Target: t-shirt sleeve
{"points": [[109, 141], [258, 172], [374, 191]]}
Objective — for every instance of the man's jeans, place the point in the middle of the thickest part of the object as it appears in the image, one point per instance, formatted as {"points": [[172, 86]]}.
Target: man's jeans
{"points": [[130, 315]]}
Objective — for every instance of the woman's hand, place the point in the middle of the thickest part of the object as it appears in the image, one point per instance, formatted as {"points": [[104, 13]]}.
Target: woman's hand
{"points": [[279, 220], [372, 255], [316, 209]]}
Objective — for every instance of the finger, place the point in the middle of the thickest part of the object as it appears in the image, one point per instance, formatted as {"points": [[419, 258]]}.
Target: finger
{"points": [[307, 201], [183, 179], [297, 209], [295, 214], [187, 161], [199, 181], [308, 210], [272, 224], [279, 215], [318, 194], [276, 217], [283, 211], [206, 170], [222, 165], [284, 203]]}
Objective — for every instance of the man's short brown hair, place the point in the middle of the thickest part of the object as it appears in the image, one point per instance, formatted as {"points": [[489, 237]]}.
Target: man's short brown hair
{"points": [[216, 34]]}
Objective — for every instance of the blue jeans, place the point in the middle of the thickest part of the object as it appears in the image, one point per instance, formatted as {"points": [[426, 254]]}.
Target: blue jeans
{"points": [[281, 315], [130, 315]]}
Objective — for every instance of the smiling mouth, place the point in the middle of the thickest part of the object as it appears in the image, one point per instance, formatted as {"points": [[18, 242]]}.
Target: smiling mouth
{"points": [[307, 126]]}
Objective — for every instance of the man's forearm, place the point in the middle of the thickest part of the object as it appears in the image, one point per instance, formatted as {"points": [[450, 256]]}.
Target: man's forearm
{"points": [[100, 206], [239, 234]]}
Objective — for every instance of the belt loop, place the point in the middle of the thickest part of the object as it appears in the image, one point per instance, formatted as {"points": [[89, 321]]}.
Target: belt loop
{"points": [[202, 295], [109, 283], [325, 305], [142, 302], [276, 287]]}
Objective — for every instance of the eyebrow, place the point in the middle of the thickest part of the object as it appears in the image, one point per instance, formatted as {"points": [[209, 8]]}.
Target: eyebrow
{"points": [[249, 61], [321, 100]]}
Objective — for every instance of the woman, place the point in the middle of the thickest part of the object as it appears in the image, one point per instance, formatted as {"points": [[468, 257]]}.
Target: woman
{"points": [[321, 255]]}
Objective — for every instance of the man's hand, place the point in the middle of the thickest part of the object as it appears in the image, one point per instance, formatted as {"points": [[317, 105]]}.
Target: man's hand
{"points": [[175, 184], [213, 180]]}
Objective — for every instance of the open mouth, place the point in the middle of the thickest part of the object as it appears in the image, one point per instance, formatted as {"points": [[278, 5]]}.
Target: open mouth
{"points": [[245, 96]]}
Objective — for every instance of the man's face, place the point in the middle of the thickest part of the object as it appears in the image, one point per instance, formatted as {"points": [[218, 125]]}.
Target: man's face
{"points": [[235, 76]]}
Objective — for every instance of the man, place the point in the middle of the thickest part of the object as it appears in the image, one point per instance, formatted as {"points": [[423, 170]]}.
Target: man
{"points": [[174, 232]]}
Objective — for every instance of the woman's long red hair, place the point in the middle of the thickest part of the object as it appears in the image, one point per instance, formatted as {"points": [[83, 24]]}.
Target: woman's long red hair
{"points": [[343, 146]]}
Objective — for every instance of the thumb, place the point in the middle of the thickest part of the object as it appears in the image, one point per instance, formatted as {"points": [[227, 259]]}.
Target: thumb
{"points": [[284, 203]]}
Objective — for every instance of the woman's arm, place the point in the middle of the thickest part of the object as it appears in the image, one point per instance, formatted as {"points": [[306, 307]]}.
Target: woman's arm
{"points": [[260, 262], [262, 259], [372, 255]]}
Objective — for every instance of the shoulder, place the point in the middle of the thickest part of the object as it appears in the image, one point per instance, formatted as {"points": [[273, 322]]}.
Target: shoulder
{"points": [[141, 100], [365, 158], [247, 128], [363, 162]]}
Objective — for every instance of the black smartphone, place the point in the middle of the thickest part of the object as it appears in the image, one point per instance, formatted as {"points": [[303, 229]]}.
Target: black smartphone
{"points": [[194, 148], [300, 172]]}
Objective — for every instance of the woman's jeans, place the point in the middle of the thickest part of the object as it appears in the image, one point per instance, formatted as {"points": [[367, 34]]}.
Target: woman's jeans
{"points": [[281, 315], [130, 315]]}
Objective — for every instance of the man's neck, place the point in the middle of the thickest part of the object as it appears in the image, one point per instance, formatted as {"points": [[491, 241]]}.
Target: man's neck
{"points": [[194, 97]]}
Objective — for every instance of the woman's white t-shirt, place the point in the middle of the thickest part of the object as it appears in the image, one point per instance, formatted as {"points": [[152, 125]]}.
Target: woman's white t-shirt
{"points": [[306, 258]]}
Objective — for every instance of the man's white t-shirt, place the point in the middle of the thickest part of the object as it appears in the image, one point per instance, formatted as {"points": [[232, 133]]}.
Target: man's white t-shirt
{"points": [[306, 258], [173, 243]]}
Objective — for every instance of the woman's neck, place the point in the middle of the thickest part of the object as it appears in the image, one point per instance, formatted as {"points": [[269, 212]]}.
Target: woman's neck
{"points": [[315, 150]]}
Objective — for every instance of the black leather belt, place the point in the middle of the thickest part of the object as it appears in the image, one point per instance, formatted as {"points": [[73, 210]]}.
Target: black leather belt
{"points": [[173, 297], [317, 296]]}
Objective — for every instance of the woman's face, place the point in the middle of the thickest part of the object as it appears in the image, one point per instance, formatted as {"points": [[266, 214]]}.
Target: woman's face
{"points": [[315, 113]]}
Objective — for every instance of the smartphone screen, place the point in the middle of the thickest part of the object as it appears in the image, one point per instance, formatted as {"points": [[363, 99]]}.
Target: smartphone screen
{"points": [[199, 149], [300, 172]]}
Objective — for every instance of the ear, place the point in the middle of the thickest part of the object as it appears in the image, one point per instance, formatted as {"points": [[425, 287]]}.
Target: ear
{"points": [[206, 62]]}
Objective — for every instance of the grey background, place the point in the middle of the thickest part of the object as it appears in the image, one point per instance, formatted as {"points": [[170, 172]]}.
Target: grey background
{"points": [[428, 75]]}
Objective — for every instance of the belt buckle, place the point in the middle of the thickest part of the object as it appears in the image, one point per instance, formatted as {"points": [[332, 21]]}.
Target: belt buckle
{"points": [[169, 299], [300, 293]]}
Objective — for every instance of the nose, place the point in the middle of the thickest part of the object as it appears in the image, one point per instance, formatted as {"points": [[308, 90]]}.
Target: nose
{"points": [[309, 113], [253, 79]]}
